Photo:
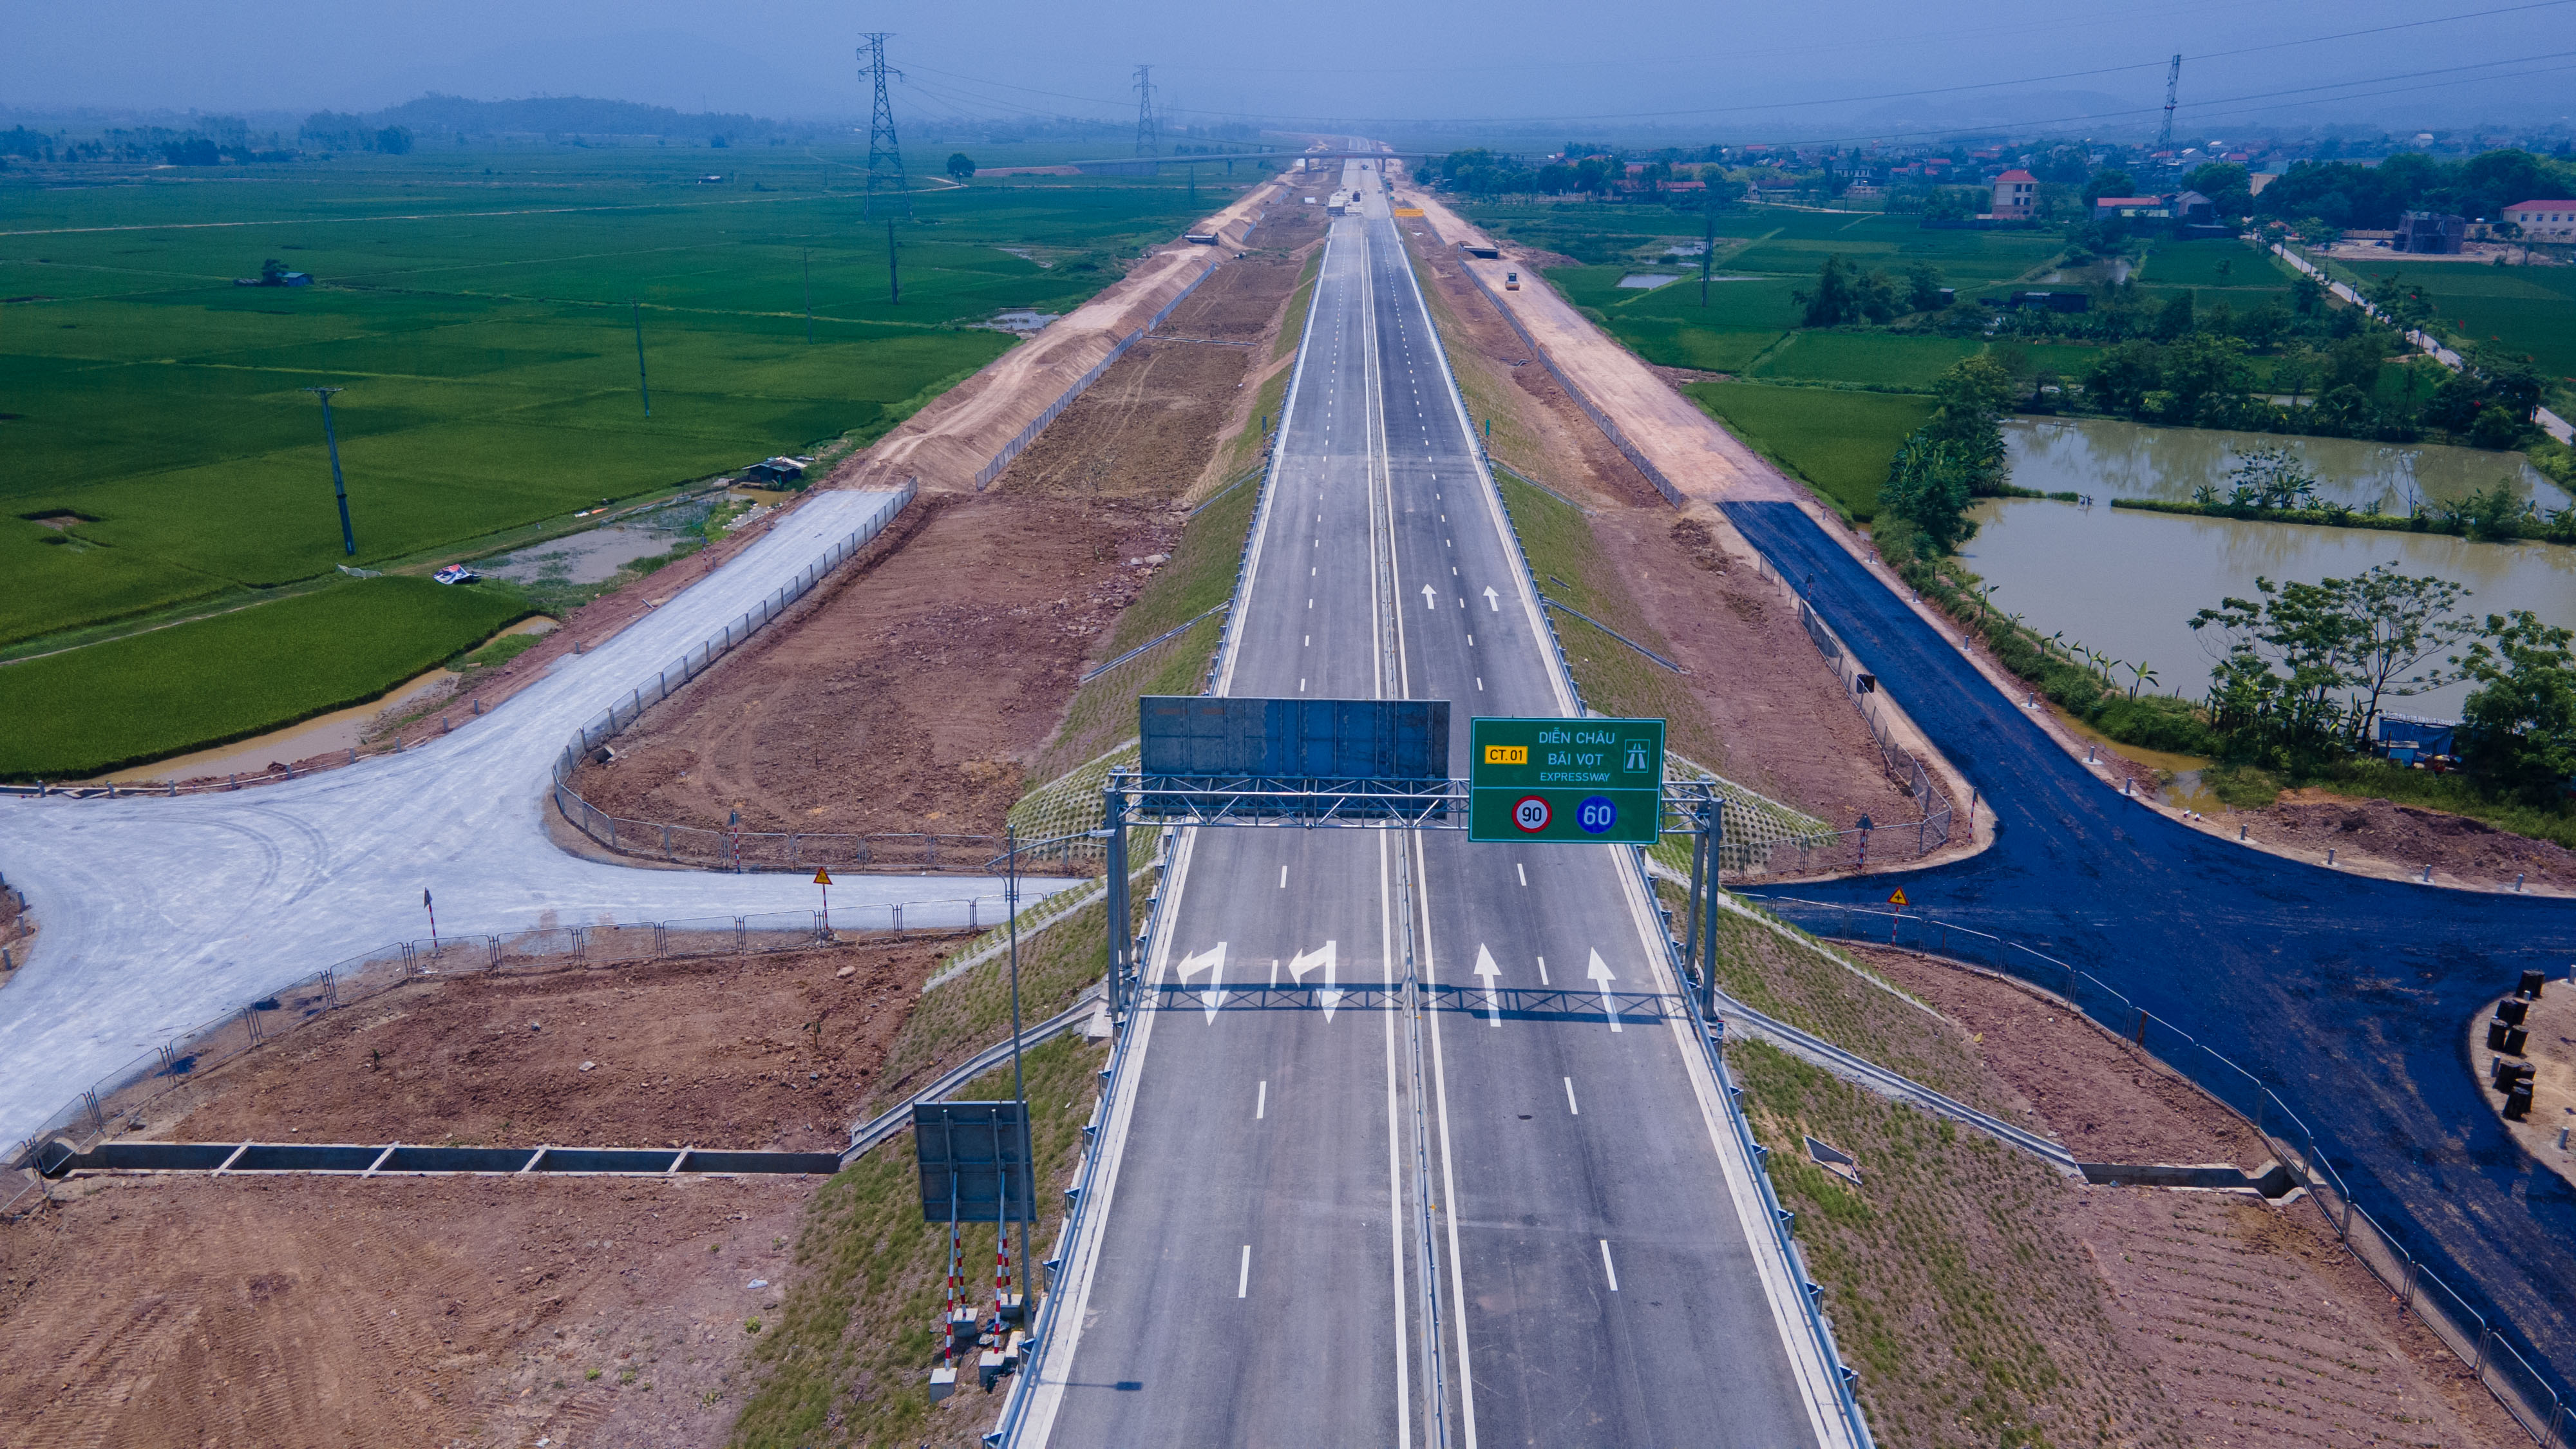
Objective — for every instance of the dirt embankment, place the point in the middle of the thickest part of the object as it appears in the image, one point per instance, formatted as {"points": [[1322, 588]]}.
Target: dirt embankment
{"points": [[913, 694], [1774, 715], [2250, 1322], [2383, 838], [769, 1053], [182, 1311]]}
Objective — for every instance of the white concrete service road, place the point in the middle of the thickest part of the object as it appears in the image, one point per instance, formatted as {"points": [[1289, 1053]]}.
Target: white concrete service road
{"points": [[155, 915]]}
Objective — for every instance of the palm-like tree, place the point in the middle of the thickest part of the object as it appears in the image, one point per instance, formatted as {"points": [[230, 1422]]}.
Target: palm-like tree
{"points": [[2140, 674]]}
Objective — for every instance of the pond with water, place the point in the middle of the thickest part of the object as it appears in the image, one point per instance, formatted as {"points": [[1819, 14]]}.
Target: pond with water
{"points": [[2126, 583]]}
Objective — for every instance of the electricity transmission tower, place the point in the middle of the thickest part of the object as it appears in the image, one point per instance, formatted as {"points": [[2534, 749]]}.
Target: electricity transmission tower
{"points": [[885, 155], [1149, 137], [2173, 78]]}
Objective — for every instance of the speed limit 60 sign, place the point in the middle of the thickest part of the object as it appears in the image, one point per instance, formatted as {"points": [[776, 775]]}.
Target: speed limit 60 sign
{"points": [[1595, 780]]}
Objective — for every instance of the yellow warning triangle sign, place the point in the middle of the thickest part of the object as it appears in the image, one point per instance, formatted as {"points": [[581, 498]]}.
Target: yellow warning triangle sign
{"points": [[822, 876], [1897, 899]]}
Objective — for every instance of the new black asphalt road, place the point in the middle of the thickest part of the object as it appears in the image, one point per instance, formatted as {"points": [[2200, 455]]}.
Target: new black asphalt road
{"points": [[1517, 1218], [2352, 998]]}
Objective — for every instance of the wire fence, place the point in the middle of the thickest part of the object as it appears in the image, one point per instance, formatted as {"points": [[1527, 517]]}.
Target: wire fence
{"points": [[2539, 1406], [166, 1079], [1609, 428], [732, 849], [1019, 442], [599, 731]]}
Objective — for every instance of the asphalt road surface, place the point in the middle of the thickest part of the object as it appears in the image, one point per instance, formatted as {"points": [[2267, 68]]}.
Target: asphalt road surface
{"points": [[157, 915], [2352, 998], [1518, 1218]]}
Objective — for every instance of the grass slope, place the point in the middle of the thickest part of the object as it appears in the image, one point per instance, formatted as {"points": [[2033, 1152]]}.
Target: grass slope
{"points": [[1838, 440], [235, 675]]}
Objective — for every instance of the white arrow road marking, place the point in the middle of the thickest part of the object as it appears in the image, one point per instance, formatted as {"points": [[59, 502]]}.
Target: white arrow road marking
{"points": [[1491, 602], [1486, 968], [1599, 972], [1305, 961], [1428, 601], [1213, 960]]}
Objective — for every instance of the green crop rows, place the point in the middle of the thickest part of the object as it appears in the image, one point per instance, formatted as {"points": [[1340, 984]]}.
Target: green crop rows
{"points": [[234, 675], [1838, 440], [484, 330], [480, 312]]}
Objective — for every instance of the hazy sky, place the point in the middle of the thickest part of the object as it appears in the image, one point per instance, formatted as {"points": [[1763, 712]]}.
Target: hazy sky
{"points": [[1604, 67]]}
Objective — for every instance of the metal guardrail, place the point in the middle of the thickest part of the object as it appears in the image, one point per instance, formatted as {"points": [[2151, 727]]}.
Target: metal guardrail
{"points": [[2543, 1410], [121, 1097]]}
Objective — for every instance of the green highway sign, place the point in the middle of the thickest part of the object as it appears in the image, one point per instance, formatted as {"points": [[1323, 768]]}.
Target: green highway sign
{"points": [[1598, 781]]}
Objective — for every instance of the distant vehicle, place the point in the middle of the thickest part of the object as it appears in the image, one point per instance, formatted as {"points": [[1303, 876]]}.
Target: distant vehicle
{"points": [[456, 574], [1511, 281]]}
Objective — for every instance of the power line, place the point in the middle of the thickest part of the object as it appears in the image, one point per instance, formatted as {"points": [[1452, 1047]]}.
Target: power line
{"points": [[885, 153], [2173, 80], [1824, 101], [1149, 140]]}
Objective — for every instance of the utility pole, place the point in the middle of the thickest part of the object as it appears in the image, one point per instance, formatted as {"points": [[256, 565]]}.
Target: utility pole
{"points": [[1149, 134], [1708, 240], [339, 490], [2173, 79], [809, 295], [894, 278], [885, 155], [643, 384]]}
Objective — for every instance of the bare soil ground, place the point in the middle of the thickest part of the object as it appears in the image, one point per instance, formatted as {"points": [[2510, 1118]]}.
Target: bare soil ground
{"points": [[1774, 714], [915, 692], [774, 1053], [2391, 839], [2103, 1097], [152, 1310], [908, 697], [2248, 1321]]}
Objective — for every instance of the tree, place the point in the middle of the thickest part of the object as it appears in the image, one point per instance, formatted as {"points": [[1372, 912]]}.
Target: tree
{"points": [[2109, 181], [394, 141], [2307, 294], [2521, 719], [2271, 478], [2369, 635], [1930, 485], [1836, 299], [1970, 401], [961, 167], [2175, 321], [272, 273], [1923, 287]]}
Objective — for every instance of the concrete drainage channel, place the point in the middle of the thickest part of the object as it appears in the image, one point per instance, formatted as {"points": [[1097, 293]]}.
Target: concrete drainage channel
{"points": [[57, 1160]]}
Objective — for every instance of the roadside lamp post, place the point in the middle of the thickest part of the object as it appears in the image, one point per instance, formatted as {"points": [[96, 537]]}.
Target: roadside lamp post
{"points": [[1019, 1083], [643, 384], [339, 490]]}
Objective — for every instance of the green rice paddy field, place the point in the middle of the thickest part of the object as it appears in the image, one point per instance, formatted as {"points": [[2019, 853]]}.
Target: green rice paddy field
{"points": [[480, 312], [1829, 405]]}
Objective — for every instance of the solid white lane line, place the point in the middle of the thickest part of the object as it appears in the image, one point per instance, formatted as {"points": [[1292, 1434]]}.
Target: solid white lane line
{"points": [[1522, 870], [1571, 1109], [1394, 1162], [1261, 1104], [1448, 1164], [1606, 1265], [1243, 1275]]}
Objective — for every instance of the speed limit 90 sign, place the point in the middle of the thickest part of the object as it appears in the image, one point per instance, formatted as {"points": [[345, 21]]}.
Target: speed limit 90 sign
{"points": [[1589, 780]]}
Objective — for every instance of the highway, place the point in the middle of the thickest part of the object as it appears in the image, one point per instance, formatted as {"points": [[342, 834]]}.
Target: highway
{"points": [[2351, 997], [157, 915], [1517, 1218]]}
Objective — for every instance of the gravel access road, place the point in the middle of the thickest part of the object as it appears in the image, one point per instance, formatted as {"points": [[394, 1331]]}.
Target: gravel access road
{"points": [[159, 914]]}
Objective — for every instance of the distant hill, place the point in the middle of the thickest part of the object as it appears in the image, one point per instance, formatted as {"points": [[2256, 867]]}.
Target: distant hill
{"points": [[556, 115], [443, 118]]}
